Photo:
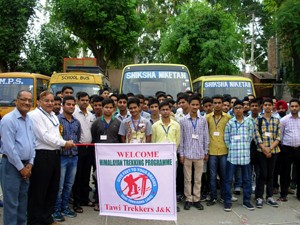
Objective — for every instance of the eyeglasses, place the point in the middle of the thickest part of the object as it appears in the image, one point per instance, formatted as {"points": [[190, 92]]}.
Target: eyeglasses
{"points": [[48, 101], [25, 100], [238, 108]]}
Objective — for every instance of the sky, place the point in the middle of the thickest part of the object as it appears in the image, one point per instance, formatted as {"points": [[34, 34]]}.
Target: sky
{"points": [[41, 17]]}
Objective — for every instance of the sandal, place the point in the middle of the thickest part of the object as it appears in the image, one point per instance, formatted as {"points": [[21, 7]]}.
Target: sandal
{"points": [[96, 208], [78, 209], [91, 204]]}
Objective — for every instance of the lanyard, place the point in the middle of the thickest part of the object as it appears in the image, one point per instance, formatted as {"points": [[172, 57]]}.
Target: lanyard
{"points": [[106, 125], [54, 124], [194, 124], [238, 127], [217, 122], [166, 131], [136, 127]]}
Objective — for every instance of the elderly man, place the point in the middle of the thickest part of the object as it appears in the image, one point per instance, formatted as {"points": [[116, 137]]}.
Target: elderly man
{"points": [[17, 147], [45, 177]]}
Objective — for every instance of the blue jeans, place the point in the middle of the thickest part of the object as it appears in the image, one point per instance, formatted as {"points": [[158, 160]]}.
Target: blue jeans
{"points": [[215, 162], [230, 170], [15, 196], [238, 178], [67, 178]]}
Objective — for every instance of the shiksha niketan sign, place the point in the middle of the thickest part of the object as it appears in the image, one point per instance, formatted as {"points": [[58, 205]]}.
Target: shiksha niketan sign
{"points": [[137, 180]]}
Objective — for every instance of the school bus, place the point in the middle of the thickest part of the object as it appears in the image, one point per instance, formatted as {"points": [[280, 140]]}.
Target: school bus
{"points": [[79, 81], [147, 79], [12, 83], [236, 86]]}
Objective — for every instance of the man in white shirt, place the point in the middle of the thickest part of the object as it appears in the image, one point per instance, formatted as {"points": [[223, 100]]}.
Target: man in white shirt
{"points": [[44, 181], [86, 154]]}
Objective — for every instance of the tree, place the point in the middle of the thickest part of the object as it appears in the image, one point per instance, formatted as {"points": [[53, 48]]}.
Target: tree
{"points": [[110, 28], [14, 18], [157, 12], [288, 27], [204, 39], [46, 51], [243, 11]]}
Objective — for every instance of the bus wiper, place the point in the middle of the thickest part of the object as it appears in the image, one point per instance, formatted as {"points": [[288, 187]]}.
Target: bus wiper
{"points": [[7, 103]]}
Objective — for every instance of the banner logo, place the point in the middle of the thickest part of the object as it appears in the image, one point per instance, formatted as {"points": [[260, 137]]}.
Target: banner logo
{"points": [[136, 185]]}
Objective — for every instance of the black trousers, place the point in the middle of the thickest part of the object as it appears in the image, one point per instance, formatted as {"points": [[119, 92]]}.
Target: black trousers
{"points": [[179, 178], [277, 169], [83, 174], [289, 155], [43, 189], [266, 174]]}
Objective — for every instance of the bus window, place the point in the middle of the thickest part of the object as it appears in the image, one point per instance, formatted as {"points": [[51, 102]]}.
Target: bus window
{"points": [[197, 86], [91, 89], [236, 86], [147, 79], [12, 83], [10, 86], [41, 85], [238, 89]]}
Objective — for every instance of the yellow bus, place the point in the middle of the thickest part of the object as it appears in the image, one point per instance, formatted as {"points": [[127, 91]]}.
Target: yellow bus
{"points": [[79, 81], [236, 86], [11, 83], [147, 79]]}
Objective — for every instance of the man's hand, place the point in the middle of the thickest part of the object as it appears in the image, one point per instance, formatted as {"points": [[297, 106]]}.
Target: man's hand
{"points": [[181, 159], [25, 172], [29, 166], [206, 157], [69, 144], [267, 152]]}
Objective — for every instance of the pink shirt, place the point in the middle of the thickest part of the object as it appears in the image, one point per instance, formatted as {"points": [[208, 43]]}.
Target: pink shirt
{"points": [[290, 129]]}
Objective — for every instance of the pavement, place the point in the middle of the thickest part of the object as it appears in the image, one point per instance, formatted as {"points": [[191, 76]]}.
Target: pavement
{"points": [[287, 213]]}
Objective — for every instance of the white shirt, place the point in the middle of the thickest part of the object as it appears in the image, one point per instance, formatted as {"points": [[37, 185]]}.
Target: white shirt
{"points": [[145, 115], [46, 130], [180, 115], [120, 117], [86, 121]]}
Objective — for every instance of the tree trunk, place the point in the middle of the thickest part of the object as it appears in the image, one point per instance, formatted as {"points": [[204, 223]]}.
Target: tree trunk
{"points": [[296, 68], [100, 57], [3, 66]]}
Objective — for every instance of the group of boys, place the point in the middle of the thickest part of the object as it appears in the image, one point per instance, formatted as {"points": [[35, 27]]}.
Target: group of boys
{"points": [[52, 147]]}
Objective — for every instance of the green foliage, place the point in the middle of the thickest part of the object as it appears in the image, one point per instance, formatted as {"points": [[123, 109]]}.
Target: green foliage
{"points": [[203, 38], [14, 19], [45, 52], [243, 10], [157, 12], [110, 28], [288, 23], [288, 28]]}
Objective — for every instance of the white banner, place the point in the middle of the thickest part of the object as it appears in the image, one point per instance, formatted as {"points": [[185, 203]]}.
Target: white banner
{"points": [[137, 180]]}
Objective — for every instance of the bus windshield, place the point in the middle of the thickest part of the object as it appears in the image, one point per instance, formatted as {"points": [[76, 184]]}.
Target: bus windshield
{"points": [[91, 89], [10, 86], [150, 81], [238, 89]]}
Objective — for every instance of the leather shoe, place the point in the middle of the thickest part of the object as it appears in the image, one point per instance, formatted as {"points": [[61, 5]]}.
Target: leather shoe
{"points": [[187, 205], [198, 205], [282, 199]]}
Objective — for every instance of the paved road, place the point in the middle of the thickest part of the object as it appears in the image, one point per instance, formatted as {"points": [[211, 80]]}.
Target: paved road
{"points": [[286, 213]]}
